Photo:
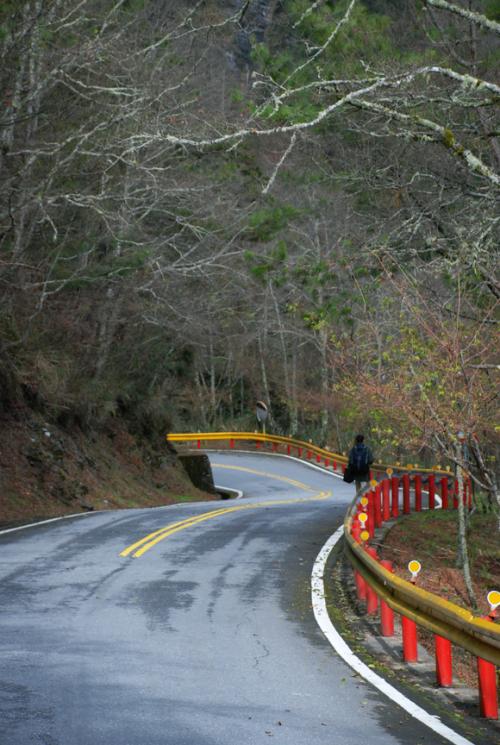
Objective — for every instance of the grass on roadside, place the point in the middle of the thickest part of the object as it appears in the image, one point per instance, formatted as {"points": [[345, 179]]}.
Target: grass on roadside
{"points": [[431, 537]]}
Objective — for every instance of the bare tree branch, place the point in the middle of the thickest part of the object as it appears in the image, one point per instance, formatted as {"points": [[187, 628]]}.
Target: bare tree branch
{"points": [[469, 15]]}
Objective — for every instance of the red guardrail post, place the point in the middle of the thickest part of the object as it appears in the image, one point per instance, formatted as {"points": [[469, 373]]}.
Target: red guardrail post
{"points": [[406, 494], [198, 445], [444, 675], [299, 452], [289, 449], [231, 443], [409, 629], [377, 506], [418, 493], [327, 462], [432, 491], [360, 586], [386, 507], [386, 613], [395, 496], [358, 579], [487, 678], [334, 465], [356, 530], [371, 595], [444, 493], [371, 512]]}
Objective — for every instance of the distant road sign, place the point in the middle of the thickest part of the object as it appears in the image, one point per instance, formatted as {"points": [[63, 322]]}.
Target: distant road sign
{"points": [[261, 411]]}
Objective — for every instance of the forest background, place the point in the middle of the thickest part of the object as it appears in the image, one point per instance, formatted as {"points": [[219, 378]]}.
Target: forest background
{"points": [[207, 203]]}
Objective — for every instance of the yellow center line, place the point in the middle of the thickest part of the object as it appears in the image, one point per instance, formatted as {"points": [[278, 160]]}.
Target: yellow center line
{"points": [[185, 523], [140, 547], [298, 484]]}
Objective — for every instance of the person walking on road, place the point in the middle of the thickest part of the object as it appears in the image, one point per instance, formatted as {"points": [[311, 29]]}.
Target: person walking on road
{"points": [[360, 460]]}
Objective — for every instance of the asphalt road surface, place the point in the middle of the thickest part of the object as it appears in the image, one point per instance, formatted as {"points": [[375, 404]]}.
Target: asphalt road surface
{"points": [[185, 625]]}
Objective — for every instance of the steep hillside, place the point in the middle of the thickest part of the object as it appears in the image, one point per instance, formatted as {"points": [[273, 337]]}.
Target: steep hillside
{"points": [[48, 471], [207, 204]]}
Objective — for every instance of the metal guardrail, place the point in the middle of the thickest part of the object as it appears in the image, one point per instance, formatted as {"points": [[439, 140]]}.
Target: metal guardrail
{"points": [[460, 626], [290, 442]]}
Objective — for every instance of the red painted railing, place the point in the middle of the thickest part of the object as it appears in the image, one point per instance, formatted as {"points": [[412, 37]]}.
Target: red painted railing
{"points": [[376, 586]]}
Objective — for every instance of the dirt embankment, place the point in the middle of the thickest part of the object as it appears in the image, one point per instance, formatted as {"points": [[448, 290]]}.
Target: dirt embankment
{"points": [[47, 471]]}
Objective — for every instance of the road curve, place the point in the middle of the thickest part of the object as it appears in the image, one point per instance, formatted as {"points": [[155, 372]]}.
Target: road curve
{"points": [[185, 625]]}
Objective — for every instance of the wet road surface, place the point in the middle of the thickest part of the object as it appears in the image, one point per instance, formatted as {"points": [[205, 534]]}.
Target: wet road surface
{"points": [[184, 625]]}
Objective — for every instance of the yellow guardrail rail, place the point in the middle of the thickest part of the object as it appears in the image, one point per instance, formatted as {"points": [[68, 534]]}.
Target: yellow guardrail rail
{"points": [[292, 442], [460, 626]]}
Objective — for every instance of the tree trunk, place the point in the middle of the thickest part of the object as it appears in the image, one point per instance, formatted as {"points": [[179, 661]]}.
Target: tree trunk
{"points": [[325, 384], [110, 315], [213, 396], [294, 413], [263, 372], [201, 398], [463, 552]]}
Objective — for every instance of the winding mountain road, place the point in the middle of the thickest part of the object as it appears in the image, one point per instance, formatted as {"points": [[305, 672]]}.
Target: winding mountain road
{"points": [[185, 625]]}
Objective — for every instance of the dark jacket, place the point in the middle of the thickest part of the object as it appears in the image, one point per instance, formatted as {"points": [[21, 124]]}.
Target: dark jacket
{"points": [[360, 459]]}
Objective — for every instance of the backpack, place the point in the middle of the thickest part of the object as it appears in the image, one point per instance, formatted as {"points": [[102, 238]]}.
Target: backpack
{"points": [[360, 458]]}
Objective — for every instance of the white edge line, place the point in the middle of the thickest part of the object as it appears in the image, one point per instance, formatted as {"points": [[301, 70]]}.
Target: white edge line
{"points": [[346, 653], [280, 455], [237, 493], [323, 469], [45, 522]]}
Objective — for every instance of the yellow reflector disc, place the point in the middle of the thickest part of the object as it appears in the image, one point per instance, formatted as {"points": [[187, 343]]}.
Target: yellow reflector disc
{"points": [[362, 517], [493, 598], [414, 566], [364, 501], [364, 535]]}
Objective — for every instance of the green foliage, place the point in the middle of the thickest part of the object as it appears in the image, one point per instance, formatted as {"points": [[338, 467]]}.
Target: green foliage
{"points": [[272, 263], [66, 270], [266, 223], [133, 6], [365, 39], [237, 95], [261, 55], [492, 10]]}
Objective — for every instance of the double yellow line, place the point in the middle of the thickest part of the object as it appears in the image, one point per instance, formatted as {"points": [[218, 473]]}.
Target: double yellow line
{"points": [[140, 547], [144, 544], [268, 475]]}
